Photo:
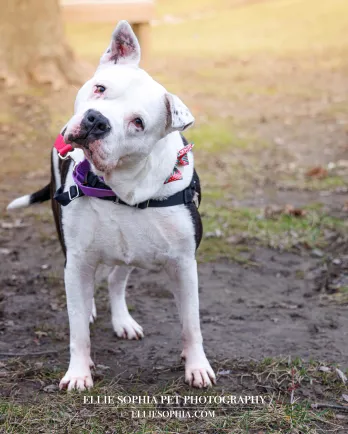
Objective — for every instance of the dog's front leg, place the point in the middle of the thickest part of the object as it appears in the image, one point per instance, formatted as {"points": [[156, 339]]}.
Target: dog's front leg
{"points": [[198, 372], [79, 285]]}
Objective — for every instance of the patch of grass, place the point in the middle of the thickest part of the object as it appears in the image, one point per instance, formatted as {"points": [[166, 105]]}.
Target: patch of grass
{"points": [[285, 409], [227, 226], [344, 289], [329, 183], [215, 136], [302, 182], [340, 297], [212, 249]]}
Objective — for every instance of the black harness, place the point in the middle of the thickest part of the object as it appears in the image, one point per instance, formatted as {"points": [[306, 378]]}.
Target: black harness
{"points": [[185, 196]]}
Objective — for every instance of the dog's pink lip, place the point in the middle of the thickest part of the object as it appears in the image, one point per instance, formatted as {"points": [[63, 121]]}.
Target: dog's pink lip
{"points": [[99, 165], [98, 161], [95, 159]]}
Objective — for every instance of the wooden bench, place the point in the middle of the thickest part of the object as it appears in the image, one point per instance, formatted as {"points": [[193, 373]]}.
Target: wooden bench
{"points": [[138, 13]]}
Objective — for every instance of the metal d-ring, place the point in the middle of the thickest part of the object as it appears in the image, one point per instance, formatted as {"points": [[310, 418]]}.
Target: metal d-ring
{"points": [[66, 156]]}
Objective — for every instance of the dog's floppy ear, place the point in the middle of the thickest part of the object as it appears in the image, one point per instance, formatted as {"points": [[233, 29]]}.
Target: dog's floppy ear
{"points": [[124, 48], [179, 116]]}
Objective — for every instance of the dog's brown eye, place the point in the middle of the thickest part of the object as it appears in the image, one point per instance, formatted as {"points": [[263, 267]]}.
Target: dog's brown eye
{"points": [[138, 123], [99, 89]]}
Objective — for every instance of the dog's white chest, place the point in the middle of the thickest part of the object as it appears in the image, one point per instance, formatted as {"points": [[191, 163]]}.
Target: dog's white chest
{"points": [[118, 234]]}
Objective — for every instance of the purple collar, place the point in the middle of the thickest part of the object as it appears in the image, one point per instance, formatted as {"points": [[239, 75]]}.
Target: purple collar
{"points": [[80, 175], [94, 186], [90, 184]]}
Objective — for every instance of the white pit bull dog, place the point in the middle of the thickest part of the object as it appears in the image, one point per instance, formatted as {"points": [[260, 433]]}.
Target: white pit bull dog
{"points": [[126, 130]]}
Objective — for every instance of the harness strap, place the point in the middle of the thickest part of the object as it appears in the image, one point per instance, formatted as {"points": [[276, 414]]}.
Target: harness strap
{"points": [[181, 197]]}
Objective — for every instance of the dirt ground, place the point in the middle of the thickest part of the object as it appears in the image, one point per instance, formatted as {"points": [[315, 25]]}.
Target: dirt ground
{"points": [[253, 311]]}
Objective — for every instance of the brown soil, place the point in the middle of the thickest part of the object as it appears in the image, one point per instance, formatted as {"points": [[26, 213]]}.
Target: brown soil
{"points": [[270, 308]]}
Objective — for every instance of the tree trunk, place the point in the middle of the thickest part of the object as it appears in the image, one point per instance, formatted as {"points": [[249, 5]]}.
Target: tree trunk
{"points": [[33, 47]]}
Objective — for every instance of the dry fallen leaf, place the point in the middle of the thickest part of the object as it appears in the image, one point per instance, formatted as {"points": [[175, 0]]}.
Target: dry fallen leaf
{"points": [[324, 369], [272, 211], [296, 212], [317, 172], [40, 334], [341, 375]]}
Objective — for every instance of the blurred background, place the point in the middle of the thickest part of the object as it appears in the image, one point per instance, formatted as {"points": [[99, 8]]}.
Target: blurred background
{"points": [[267, 81]]}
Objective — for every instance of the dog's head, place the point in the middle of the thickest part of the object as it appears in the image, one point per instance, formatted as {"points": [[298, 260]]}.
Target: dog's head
{"points": [[121, 113]]}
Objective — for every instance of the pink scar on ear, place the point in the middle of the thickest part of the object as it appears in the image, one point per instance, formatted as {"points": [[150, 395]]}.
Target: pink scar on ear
{"points": [[124, 46]]}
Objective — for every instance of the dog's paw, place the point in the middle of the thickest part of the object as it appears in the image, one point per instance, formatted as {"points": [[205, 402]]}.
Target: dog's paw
{"points": [[198, 372], [93, 316], [126, 328], [80, 382], [199, 376]]}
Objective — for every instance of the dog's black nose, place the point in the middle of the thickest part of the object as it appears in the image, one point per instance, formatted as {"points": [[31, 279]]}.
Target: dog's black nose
{"points": [[94, 126], [95, 123]]}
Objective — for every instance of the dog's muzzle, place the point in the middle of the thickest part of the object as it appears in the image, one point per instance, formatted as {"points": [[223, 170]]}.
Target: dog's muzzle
{"points": [[94, 126]]}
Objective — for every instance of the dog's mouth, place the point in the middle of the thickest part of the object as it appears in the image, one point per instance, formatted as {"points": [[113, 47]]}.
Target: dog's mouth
{"points": [[79, 141], [92, 148]]}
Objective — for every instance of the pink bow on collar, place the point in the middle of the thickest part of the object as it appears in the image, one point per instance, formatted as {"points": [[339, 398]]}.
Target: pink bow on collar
{"points": [[182, 160]]}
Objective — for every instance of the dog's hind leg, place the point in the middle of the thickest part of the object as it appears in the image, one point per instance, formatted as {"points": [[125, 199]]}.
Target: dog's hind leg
{"points": [[124, 325], [198, 372]]}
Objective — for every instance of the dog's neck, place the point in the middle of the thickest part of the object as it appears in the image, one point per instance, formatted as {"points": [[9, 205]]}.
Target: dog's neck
{"points": [[135, 182]]}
